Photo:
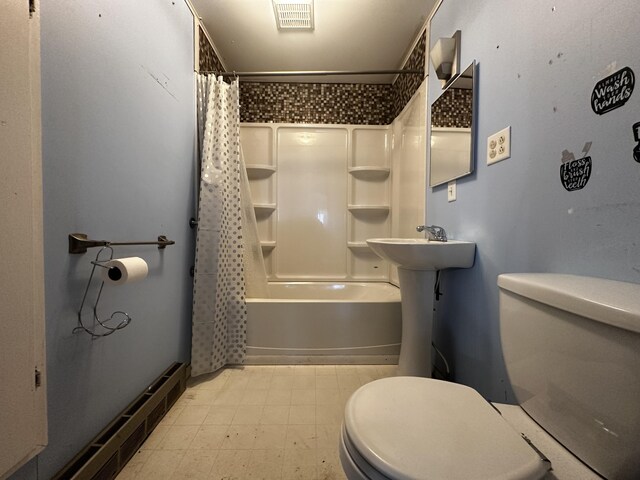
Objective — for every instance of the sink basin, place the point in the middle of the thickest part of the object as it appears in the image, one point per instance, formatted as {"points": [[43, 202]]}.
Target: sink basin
{"points": [[423, 254]]}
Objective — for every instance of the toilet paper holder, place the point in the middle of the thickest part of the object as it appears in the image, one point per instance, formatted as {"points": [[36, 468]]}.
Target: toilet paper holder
{"points": [[79, 242], [111, 324]]}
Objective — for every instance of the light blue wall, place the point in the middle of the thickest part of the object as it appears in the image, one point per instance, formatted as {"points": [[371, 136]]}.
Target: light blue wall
{"points": [[538, 62], [118, 121]]}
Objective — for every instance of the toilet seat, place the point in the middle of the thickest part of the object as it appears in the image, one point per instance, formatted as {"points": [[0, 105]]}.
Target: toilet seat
{"points": [[353, 465], [409, 428]]}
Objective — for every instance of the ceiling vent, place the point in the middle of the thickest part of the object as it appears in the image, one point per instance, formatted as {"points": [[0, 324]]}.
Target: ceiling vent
{"points": [[293, 14]]}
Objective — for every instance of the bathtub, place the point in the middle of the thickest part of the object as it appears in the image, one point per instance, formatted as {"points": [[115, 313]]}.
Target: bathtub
{"points": [[324, 322]]}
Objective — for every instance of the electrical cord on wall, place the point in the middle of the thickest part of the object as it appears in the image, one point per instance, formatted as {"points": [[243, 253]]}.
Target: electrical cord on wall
{"points": [[437, 294], [446, 374], [436, 286]]}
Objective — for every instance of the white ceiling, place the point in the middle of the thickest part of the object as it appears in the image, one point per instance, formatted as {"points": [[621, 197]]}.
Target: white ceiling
{"points": [[348, 35]]}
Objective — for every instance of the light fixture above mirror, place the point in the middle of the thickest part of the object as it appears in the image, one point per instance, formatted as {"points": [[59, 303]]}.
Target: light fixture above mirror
{"points": [[445, 57]]}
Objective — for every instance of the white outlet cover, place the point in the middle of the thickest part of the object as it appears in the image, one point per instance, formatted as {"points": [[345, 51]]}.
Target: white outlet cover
{"points": [[499, 146]]}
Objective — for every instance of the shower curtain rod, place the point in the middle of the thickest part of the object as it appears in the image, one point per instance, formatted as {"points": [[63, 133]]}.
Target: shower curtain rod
{"points": [[319, 73]]}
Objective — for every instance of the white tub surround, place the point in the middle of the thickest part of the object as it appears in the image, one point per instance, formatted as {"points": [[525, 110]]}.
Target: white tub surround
{"points": [[325, 322], [320, 191]]}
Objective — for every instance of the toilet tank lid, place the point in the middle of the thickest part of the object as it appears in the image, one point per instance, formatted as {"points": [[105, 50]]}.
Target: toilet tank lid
{"points": [[607, 301]]}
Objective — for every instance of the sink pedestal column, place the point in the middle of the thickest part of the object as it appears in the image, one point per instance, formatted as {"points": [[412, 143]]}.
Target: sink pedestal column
{"points": [[416, 288]]}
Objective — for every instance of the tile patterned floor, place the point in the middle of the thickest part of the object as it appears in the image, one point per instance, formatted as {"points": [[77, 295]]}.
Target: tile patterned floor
{"points": [[255, 422]]}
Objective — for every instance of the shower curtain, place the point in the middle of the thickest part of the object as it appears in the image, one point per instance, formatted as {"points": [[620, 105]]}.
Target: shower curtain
{"points": [[219, 308]]}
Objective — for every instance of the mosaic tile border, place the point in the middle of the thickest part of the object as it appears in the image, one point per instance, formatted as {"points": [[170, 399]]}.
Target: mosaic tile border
{"points": [[323, 103], [326, 103]]}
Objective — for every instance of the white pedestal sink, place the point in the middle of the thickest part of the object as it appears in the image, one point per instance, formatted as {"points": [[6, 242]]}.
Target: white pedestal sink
{"points": [[417, 260]]}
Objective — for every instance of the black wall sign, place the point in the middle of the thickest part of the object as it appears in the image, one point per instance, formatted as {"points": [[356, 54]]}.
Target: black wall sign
{"points": [[613, 91], [575, 174], [636, 137]]}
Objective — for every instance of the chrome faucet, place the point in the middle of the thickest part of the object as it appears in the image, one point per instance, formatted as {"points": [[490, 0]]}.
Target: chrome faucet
{"points": [[434, 232]]}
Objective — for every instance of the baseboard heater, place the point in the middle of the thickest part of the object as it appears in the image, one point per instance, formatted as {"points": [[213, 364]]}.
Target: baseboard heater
{"points": [[107, 454]]}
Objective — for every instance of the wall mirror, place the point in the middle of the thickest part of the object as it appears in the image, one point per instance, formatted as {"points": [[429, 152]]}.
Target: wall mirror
{"points": [[452, 130]]}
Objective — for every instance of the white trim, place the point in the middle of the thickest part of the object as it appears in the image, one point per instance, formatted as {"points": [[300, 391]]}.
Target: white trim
{"points": [[213, 45], [414, 44], [428, 45], [407, 55], [196, 43], [192, 8], [22, 173], [196, 34], [425, 28]]}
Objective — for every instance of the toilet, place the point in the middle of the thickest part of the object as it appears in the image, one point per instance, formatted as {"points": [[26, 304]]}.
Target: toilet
{"points": [[572, 350]]}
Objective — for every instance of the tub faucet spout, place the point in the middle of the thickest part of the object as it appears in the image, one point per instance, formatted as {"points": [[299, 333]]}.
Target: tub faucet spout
{"points": [[434, 232]]}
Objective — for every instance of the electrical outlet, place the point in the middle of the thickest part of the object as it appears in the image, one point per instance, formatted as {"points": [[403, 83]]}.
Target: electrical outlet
{"points": [[451, 191], [499, 146]]}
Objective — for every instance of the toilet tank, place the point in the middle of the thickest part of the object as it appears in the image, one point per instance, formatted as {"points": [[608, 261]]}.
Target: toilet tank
{"points": [[572, 350]]}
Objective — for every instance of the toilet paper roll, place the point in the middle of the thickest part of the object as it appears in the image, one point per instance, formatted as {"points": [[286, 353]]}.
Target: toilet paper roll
{"points": [[125, 270]]}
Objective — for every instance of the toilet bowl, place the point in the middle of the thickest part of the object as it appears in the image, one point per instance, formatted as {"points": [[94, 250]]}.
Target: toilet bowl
{"points": [[572, 351]]}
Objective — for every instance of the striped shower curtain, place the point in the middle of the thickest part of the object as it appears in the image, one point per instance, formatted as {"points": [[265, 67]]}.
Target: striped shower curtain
{"points": [[219, 308]]}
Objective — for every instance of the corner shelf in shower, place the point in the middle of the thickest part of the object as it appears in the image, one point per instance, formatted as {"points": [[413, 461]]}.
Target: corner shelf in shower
{"points": [[256, 171], [370, 173], [358, 245], [369, 209], [268, 245], [264, 209]]}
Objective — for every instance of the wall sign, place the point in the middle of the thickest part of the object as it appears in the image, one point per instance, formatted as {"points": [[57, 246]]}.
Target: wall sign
{"points": [[613, 91], [575, 174], [636, 137]]}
